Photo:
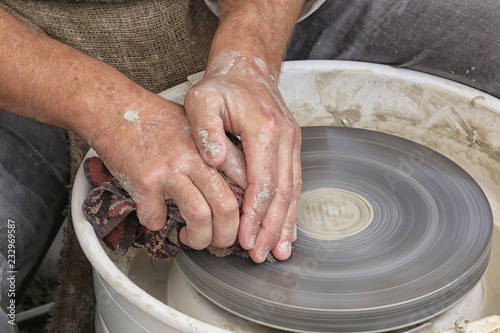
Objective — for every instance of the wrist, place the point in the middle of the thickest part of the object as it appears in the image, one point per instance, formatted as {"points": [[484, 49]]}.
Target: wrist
{"points": [[102, 107], [256, 29], [117, 111]]}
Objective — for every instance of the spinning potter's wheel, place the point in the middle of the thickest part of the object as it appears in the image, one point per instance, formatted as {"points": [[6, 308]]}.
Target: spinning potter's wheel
{"points": [[390, 233]]}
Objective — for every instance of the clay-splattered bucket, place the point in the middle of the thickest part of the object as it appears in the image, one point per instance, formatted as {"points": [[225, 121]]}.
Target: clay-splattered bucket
{"points": [[460, 122]]}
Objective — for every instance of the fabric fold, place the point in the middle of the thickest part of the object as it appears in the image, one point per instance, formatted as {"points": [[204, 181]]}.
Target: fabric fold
{"points": [[112, 213]]}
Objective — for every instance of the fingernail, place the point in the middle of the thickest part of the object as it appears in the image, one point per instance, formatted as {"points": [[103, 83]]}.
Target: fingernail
{"points": [[286, 247], [252, 241], [212, 151], [264, 253]]}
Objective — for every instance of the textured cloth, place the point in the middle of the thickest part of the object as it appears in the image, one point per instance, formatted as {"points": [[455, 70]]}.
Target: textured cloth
{"points": [[111, 211]]}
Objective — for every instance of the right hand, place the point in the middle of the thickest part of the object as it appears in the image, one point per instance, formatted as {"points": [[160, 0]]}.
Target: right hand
{"points": [[154, 155], [150, 150]]}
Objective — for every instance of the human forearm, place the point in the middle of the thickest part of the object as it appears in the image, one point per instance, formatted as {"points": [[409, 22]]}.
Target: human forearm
{"points": [[257, 28], [142, 138], [53, 83]]}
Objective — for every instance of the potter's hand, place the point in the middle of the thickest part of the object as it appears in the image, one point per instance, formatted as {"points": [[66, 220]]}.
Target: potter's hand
{"points": [[146, 141], [151, 151], [142, 138], [240, 95]]}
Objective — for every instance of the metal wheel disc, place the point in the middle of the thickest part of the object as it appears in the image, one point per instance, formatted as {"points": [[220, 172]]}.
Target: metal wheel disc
{"points": [[390, 233]]}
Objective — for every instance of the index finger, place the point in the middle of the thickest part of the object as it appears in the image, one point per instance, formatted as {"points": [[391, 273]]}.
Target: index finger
{"points": [[272, 227], [262, 176]]}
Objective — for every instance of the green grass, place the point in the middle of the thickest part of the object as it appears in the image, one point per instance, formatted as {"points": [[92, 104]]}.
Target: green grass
{"points": [[38, 293]]}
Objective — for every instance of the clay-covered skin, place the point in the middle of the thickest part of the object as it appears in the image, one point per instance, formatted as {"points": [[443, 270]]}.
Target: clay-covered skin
{"points": [[246, 101], [162, 162], [144, 139], [148, 143], [239, 94]]}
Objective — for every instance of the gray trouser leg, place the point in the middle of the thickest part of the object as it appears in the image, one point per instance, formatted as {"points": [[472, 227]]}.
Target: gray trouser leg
{"points": [[34, 172], [455, 39]]}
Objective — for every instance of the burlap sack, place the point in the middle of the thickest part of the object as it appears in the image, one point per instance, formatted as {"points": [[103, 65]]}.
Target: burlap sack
{"points": [[157, 44]]}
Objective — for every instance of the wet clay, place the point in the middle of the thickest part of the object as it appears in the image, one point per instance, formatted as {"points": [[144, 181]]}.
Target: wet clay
{"points": [[333, 213]]}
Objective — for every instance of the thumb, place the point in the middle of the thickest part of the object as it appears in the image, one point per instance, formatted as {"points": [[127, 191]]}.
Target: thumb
{"points": [[204, 109]]}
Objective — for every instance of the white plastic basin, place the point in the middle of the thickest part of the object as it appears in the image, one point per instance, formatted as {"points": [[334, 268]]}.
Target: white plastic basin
{"points": [[460, 122]]}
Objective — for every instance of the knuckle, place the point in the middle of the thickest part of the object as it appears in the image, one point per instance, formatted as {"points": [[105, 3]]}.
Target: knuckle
{"points": [[148, 183], [253, 213], [288, 134], [194, 208], [207, 120], [228, 205], [212, 98], [272, 234], [155, 226], [297, 131], [267, 192], [291, 133], [270, 187], [199, 93], [272, 227], [200, 215], [269, 123], [286, 195], [193, 94]]}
